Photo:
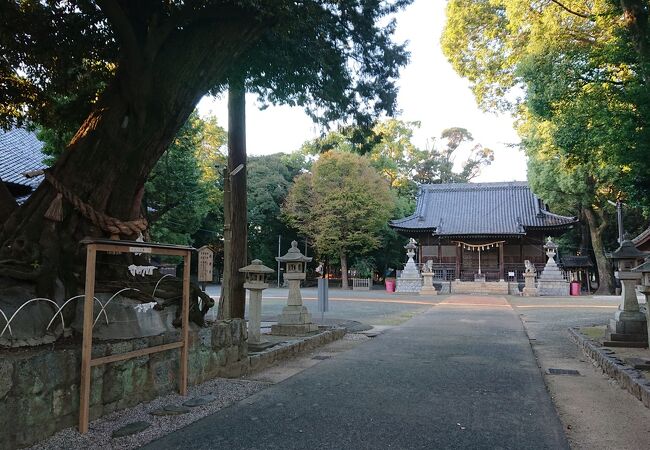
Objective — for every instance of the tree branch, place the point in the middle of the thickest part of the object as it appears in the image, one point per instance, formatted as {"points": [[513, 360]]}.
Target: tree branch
{"points": [[122, 27], [567, 9]]}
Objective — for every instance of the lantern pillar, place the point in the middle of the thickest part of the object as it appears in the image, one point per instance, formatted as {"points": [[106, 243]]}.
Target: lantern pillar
{"points": [[255, 283]]}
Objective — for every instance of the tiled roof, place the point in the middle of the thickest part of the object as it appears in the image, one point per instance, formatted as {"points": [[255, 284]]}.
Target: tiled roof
{"points": [[483, 209], [20, 152], [642, 238], [576, 261]]}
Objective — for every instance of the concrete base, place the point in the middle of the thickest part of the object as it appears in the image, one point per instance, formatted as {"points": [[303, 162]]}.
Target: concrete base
{"points": [[552, 288], [529, 292], [477, 287], [627, 329], [293, 330], [428, 290]]}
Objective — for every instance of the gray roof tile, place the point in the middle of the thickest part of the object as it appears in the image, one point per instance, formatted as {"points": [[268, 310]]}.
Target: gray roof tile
{"points": [[486, 209], [20, 152]]}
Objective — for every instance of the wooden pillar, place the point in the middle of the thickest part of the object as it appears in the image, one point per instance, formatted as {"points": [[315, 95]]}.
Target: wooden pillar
{"points": [[459, 257], [501, 262]]}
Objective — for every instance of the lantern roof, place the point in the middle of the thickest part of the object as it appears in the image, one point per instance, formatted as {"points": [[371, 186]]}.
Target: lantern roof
{"points": [[550, 244], [627, 250], [645, 267], [256, 266], [293, 255]]}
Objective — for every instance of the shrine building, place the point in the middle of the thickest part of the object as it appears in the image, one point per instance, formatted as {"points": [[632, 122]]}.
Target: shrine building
{"points": [[481, 231]]}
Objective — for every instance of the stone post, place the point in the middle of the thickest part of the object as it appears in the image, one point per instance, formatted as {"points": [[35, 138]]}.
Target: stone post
{"points": [[628, 328], [295, 319], [255, 284], [644, 287]]}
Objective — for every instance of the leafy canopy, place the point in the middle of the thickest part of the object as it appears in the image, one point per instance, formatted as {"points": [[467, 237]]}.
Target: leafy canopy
{"points": [[334, 57], [342, 205]]}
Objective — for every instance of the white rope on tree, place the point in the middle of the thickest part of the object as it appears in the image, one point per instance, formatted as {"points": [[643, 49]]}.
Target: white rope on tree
{"points": [[110, 299], [75, 297], [38, 299]]}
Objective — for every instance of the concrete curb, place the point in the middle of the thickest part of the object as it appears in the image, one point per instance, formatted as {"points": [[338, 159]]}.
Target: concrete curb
{"points": [[628, 377], [286, 350]]}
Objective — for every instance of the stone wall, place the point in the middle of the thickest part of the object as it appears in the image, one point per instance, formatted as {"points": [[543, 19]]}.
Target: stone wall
{"points": [[39, 388], [479, 287]]}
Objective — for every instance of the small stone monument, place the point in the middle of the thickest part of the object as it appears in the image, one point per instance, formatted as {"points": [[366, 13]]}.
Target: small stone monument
{"points": [[295, 319], [256, 274], [427, 276], [551, 282], [628, 328], [409, 281], [529, 277]]}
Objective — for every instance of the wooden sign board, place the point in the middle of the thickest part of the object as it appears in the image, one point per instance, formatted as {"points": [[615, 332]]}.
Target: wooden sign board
{"points": [[206, 261]]}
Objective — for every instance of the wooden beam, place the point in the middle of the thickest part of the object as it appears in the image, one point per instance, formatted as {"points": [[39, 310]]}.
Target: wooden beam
{"points": [[134, 353]]}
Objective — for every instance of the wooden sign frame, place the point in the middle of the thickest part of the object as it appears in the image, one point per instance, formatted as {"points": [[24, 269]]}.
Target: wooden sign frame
{"points": [[87, 362]]}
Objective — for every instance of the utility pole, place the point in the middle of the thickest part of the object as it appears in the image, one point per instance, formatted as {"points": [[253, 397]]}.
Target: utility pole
{"points": [[279, 254], [619, 218]]}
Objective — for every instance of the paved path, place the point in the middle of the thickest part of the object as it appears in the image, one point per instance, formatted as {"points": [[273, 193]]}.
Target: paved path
{"points": [[461, 375]]}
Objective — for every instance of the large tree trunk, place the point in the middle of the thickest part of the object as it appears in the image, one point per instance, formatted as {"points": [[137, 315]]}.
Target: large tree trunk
{"points": [[597, 223], [344, 271], [109, 159], [236, 295]]}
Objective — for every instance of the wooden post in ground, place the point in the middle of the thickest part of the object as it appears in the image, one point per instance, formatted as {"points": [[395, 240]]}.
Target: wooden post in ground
{"points": [[87, 343]]}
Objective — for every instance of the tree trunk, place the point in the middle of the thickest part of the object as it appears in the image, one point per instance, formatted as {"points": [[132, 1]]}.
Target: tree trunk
{"points": [[236, 295], [109, 159], [597, 223], [7, 203], [636, 21], [344, 271]]}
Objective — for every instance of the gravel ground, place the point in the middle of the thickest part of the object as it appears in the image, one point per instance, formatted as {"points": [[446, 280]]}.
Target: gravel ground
{"points": [[99, 435]]}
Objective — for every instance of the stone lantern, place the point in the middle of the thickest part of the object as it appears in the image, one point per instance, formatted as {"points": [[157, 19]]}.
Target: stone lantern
{"points": [[295, 319], [629, 326], [410, 280], [256, 274], [551, 282], [644, 288]]}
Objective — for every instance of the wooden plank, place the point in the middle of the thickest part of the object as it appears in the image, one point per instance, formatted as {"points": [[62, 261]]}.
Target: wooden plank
{"points": [[185, 324], [126, 243], [140, 249], [135, 353], [86, 346]]}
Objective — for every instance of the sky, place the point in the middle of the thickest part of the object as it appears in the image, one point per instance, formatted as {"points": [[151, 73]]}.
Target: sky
{"points": [[430, 92]]}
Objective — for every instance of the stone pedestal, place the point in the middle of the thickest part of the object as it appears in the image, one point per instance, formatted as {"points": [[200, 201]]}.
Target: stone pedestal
{"points": [[645, 290], [427, 285], [628, 328], [295, 319], [529, 287], [551, 283]]}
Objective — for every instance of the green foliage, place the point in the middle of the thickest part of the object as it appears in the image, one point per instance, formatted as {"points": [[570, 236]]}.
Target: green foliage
{"points": [[185, 185], [269, 180], [342, 205], [363, 267], [335, 58], [582, 75]]}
